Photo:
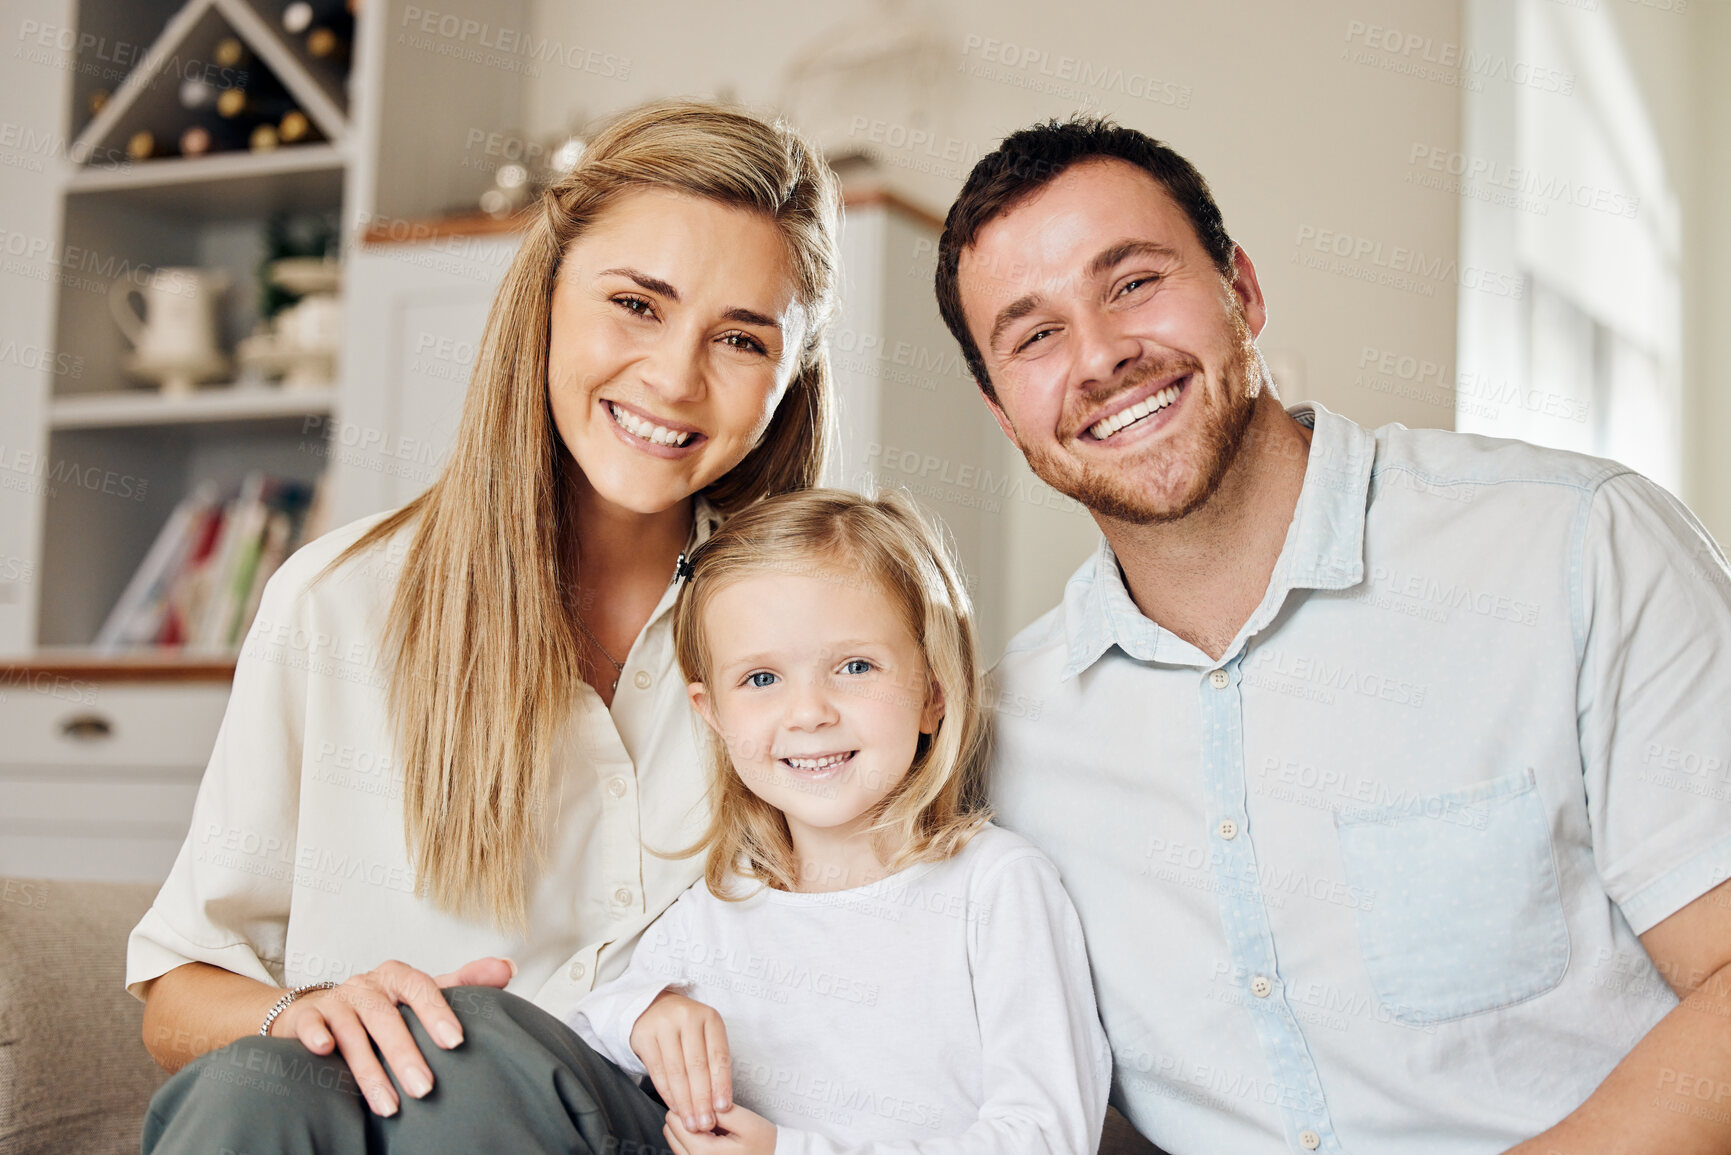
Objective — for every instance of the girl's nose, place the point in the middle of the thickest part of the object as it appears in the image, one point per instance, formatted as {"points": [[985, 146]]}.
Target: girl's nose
{"points": [[814, 706]]}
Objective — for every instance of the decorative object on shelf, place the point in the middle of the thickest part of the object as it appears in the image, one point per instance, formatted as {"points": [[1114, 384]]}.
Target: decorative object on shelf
{"points": [[517, 180], [175, 340], [302, 341]]}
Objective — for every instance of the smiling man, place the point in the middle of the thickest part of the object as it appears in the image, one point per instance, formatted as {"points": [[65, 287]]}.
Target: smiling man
{"points": [[1390, 771]]}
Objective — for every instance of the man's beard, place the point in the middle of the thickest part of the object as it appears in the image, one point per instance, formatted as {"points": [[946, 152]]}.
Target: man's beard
{"points": [[1174, 484]]}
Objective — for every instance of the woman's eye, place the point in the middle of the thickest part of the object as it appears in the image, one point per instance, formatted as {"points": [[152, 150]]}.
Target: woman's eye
{"points": [[857, 666], [636, 305], [760, 679], [744, 341]]}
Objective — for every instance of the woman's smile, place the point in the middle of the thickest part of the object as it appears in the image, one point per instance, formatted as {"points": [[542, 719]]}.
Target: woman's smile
{"points": [[657, 436]]}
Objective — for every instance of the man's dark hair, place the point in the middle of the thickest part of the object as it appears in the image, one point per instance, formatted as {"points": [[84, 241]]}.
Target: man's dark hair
{"points": [[1030, 159]]}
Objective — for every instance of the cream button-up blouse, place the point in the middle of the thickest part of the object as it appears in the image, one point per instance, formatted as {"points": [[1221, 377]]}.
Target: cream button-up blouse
{"points": [[295, 869]]}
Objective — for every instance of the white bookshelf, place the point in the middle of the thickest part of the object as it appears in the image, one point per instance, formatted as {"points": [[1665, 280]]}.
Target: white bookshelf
{"points": [[392, 136]]}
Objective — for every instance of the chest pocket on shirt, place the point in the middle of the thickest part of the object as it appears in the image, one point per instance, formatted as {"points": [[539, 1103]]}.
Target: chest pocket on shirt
{"points": [[1468, 914]]}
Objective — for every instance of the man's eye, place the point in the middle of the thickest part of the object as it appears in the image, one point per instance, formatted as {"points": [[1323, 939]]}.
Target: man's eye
{"points": [[857, 666], [760, 679], [1036, 335], [1136, 283]]}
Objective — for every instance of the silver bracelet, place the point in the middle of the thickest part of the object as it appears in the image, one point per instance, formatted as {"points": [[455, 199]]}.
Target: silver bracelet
{"points": [[282, 1004]]}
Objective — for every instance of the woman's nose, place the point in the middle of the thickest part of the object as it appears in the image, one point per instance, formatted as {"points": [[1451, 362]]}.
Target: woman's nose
{"points": [[674, 371]]}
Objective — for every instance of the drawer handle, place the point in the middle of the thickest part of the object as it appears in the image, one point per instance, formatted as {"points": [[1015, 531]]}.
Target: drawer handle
{"points": [[87, 728]]}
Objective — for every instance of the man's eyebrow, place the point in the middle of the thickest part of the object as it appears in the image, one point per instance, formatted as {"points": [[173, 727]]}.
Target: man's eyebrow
{"points": [[1107, 258], [1011, 313], [1103, 262], [656, 285]]}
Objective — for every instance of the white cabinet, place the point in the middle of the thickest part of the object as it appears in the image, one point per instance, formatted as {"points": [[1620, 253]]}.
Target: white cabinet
{"points": [[99, 777]]}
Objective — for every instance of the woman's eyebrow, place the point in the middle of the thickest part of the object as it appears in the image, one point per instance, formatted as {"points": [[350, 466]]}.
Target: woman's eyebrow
{"points": [[656, 285]]}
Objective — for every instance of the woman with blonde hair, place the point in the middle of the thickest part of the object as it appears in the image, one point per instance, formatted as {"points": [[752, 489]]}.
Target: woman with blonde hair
{"points": [[454, 727]]}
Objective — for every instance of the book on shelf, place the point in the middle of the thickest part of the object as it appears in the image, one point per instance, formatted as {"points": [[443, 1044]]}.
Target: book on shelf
{"points": [[199, 586]]}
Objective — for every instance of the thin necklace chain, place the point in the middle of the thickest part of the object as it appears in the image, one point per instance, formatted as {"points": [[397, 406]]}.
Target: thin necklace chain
{"points": [[618, 667], [681, 569]]}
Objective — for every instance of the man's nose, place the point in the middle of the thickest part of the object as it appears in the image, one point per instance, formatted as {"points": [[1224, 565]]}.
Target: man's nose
{"points": [[1104, 347]]}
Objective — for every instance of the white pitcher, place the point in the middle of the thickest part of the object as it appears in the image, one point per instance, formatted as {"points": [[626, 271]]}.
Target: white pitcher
{"points": [[175, 339]]}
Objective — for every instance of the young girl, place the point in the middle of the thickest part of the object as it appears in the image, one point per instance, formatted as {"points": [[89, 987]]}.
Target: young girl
{"points": [[868, 966]]}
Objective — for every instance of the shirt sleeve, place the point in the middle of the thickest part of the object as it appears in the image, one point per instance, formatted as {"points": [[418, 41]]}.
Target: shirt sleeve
{"points": [[226, 899], [606, 1015], [1047, 1065], [1655, 700]]}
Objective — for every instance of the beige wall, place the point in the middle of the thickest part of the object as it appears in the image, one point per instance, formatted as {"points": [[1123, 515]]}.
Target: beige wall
{"points": [[1298, 138]]}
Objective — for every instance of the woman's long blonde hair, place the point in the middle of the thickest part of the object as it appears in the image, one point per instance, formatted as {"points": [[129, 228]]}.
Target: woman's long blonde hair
{"points": [[884, 543], [482, 636]]}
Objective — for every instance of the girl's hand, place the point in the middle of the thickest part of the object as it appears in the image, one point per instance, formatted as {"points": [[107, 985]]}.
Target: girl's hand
{"points": [[683, 1045], [738, 1132], [363, 1010]]}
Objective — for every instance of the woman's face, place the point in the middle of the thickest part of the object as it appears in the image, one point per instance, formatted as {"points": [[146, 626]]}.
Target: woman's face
{"points": [[675, 332]]}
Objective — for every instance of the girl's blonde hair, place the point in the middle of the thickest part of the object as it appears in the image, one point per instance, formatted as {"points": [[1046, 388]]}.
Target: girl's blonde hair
{"points": [[487, 659], [885, 543]]}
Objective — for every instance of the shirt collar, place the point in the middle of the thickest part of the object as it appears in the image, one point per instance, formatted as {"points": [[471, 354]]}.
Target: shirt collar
{"points": [[1324, 550]]}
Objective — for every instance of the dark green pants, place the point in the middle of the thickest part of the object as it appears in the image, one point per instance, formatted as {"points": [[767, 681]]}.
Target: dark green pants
{"points": [[521, 1081]]}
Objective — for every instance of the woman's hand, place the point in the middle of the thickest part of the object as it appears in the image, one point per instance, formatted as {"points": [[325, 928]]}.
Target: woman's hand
{"points": [[683, 1045], [738, 1132], [364, 1009]]}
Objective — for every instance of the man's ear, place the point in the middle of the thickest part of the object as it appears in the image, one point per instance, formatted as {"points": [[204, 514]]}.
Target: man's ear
{"points": [[699, 695], [934, 711], [1248, 291]]}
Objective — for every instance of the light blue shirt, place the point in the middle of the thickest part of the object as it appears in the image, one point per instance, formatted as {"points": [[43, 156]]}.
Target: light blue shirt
{"points": [[1373, 881]]}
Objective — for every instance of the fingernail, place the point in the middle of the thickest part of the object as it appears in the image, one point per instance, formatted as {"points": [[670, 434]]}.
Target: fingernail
{"points": [[418, 1082], [690, 1124], [513, 965], [321, 1040], [705, 1122], [448, 1034], [721, 1104], [382, 1103]]}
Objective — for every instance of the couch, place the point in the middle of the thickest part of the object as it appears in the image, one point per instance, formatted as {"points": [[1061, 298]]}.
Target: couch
{"points": [[74, 1075]]}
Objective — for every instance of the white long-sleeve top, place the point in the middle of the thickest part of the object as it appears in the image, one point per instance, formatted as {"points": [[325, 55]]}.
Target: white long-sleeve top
{"points": [[943, 1010]]}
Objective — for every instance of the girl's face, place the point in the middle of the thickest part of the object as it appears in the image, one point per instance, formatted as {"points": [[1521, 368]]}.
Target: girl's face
{"points": [[819, 692], [675, 332]]}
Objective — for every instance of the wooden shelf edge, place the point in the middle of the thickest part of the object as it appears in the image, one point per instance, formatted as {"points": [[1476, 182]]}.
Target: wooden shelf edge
{"points": [[142, 666], [414, 231]]}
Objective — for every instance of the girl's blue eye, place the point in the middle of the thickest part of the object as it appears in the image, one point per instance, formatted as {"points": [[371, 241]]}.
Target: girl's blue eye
{"points": [[760, 679], [865, 667]]}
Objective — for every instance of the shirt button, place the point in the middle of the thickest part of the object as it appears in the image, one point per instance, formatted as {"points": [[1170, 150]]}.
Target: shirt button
{"points": [[1227, 829], [1260, 987], [641, 680], [622, 896], [616, 787], [1309, 1140], [1219, 679], [578, 970]]}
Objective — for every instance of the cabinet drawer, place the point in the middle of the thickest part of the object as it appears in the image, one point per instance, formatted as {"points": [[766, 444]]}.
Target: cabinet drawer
{"points": [[76, 723]]}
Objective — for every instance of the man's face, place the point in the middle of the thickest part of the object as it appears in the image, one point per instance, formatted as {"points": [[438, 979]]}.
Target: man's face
{"points": [[1124, 363]]}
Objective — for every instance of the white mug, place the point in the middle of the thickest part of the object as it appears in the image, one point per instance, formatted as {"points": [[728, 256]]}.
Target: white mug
{"points": [[179, 322]]}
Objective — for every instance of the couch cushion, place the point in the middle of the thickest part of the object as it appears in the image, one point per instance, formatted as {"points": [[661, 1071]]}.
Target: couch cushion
{"points": [[74, 1074]]}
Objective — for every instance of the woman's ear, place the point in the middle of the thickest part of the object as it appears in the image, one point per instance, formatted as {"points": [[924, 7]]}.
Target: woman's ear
{"points": [[934, 711], [699, 695]]}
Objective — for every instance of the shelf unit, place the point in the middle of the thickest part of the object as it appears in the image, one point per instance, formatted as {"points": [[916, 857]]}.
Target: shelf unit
{"points": [[91, 464]]}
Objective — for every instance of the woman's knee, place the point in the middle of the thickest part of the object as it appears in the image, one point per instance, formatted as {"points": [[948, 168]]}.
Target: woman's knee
{"points": [[254, 1086]]}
